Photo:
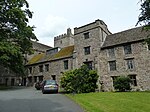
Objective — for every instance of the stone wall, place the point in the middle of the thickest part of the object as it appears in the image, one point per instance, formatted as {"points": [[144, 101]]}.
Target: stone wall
{"points": [[97, 34], [64, 40], [141, 59], [9, 78], [56, 68]]}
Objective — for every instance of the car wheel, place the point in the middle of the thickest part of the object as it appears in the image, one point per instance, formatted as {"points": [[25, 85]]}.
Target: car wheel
{"points": [[56, 91]]}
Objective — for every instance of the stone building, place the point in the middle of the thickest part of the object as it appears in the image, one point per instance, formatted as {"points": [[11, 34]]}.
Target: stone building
{"points": [[64, 40], [112, 55], [85, 46], [87, 43], [7, 77], [52, 63], [125, 54]]}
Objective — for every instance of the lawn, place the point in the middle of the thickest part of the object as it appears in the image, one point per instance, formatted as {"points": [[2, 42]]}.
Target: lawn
{"points": [[113, 102]]}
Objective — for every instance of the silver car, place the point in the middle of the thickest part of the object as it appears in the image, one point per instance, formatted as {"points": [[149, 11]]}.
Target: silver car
{"points": [[49, 86]]}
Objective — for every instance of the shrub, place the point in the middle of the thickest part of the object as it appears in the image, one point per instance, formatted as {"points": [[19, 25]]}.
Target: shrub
{"points": [[80, 80], [122, 84]]}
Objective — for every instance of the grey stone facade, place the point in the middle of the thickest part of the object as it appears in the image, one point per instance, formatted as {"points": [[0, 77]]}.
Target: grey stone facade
{"points": [[7, 77], [64, 40], [92, 44], [50, 65], [96, 32], [135, 64]]}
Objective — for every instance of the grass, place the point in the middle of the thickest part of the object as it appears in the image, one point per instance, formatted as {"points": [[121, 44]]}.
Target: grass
{"points": [[113, 102]]}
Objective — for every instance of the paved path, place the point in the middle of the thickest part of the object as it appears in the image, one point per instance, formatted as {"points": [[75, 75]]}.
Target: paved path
{"points": [[31, 100]]}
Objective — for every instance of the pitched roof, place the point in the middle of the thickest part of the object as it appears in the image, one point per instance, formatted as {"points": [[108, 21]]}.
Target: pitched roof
{"points": [[36, 58], [131, 35], [63, 53]]}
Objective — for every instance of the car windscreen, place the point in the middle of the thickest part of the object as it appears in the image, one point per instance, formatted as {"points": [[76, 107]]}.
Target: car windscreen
{"points": [[50, 82]]}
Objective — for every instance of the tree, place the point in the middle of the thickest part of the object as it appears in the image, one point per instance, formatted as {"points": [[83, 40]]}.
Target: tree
{"points": [[82, 80], [15, 34], [122, 83], [144, 17]]}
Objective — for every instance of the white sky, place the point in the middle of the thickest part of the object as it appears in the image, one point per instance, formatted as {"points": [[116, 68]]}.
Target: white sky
{"points": [[53, 17]]}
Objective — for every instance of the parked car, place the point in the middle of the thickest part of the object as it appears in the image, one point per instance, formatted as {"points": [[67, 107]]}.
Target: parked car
{"points": [[38, 85], [49, 86]]}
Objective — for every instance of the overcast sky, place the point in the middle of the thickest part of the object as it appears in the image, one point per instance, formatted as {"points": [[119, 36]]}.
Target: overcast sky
{"points": [[53, 17]]}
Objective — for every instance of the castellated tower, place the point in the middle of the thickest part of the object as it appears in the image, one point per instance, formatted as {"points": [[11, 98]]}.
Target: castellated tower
{"points": [[64, 40], [88, 40]]}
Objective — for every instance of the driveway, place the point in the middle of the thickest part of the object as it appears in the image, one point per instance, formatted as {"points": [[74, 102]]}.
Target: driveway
{"points": [[31, 100]]}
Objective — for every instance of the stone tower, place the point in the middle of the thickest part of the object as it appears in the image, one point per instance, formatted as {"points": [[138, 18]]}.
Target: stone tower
{"points": [[64, 40], [88, 40]]}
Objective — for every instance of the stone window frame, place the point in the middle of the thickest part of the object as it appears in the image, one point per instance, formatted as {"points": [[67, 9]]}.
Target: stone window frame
{"points": [[86, 35], [30, 70], [112, 65], [130, 63], [66, 64], [53, 77], [111, 52], [46, 67], [133, 79], [127, 49], [148, 47], [41, 68], [89, 64], [87, 50]]}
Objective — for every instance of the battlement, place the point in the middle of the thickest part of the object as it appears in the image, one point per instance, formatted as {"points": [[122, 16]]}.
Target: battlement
{"points": [[60, 36], [68, 34], [64, 40]]}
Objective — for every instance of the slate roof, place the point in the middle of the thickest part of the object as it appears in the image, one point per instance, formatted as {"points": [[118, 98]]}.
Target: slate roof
{"points": [[63, 53], [40, 45], [131, 35]]}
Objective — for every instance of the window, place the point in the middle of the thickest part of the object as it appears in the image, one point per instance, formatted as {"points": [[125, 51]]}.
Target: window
{"points": [[47, 67], [89, 64], [41, 68], [111, 52], [112, 65], [54, 77], [127, 49], [114, 78], [130, 64], [66, 64], [86, 35], [87, 50], [30, 70], [133, 80]]}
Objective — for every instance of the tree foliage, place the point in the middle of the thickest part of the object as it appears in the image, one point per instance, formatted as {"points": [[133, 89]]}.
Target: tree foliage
{"points": [[15, 33], [144, 16], [122, 83], [80, 80]]}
